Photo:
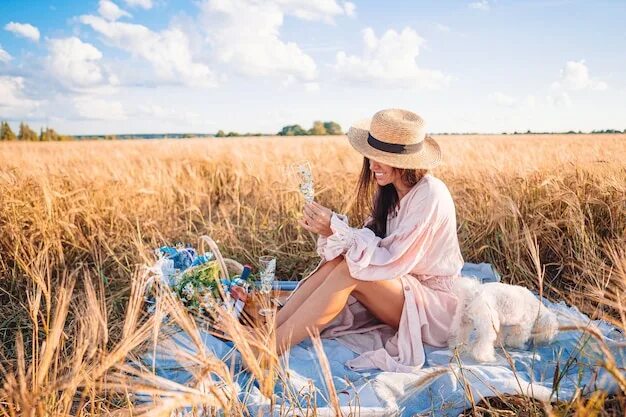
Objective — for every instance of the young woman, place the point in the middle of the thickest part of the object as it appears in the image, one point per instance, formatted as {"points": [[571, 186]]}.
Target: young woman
{"points": [[399, 266]]}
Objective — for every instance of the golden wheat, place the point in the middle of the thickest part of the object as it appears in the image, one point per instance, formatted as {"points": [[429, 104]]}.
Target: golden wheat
{"points": [[77, 220]]}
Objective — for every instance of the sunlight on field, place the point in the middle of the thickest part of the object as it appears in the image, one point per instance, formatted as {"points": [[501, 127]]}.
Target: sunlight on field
{"points": [[97, 209], [102, 203]]}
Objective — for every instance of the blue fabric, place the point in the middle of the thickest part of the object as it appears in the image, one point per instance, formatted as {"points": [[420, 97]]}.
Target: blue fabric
{"points": [[483, 271], [183, 258], [572, 356]]}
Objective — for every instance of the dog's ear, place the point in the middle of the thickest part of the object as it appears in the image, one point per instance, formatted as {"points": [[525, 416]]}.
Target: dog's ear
{"points": [[465, 286]]}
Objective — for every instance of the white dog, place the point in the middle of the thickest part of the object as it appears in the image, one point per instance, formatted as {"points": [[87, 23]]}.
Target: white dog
{"points": [[500, 313]]}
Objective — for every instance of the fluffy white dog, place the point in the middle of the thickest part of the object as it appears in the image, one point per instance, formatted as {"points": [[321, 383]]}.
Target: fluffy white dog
{"points": [[499, 313]]}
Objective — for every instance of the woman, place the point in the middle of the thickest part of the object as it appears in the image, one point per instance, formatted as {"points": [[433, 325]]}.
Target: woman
{"points": [[399, 267]]}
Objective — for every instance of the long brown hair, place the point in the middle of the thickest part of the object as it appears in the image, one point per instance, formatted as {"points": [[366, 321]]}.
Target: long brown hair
{"points": [[384, 199]]}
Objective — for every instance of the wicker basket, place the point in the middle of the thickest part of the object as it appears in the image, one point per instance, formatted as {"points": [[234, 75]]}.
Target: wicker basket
{"points": [[228, 267]]}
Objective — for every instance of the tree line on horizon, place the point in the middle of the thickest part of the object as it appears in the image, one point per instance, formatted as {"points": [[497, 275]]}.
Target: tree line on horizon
{"points": [[25, 133], [569, 132], [319, 128]]}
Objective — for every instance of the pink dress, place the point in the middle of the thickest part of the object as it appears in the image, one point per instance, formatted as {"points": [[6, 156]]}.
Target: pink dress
{"points": [[422, 250]]}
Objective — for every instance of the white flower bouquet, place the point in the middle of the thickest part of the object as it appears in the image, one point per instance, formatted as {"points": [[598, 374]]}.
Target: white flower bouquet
{"points": [[306, 182], [301, 172]]}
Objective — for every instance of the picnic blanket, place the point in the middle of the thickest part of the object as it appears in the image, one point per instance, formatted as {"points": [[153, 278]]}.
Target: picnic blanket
{"points": [[443, 387]]}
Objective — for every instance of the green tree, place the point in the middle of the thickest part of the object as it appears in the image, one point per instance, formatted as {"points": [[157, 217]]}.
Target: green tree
{"points": [[48, 134], [292, 130], [332, 128], [26, 133], [220, 134], [6, 133], [318, 129]]}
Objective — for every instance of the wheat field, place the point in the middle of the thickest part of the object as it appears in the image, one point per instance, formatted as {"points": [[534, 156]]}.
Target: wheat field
{"points": [[79, 219]]}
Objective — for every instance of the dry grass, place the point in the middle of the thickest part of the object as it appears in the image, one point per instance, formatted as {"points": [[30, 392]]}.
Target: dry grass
{"points": [[78, 219]]}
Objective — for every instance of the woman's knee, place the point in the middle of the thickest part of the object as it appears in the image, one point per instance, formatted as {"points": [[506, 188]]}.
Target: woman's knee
{"points": [[334, 263], [342, 271], [325, 270]]}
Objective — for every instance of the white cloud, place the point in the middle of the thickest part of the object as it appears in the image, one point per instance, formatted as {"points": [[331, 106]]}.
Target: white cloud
{"points": [[480, 5], [245, 35], [168, 51], [324, 10], [25, 30], [13, 103], [391, 61], [561, 99], [153, 111], [575, 76], [515, 103], [111, 11], [349, 8], [502, 99], [144, 4], [4, 55], [311, 87], [98, 109], [75, 63]]}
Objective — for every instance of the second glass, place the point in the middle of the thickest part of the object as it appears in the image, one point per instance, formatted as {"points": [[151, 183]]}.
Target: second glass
{"points": [[267, 271]]}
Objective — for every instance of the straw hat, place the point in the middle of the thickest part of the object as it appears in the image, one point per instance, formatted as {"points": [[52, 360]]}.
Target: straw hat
{"points": [[397, 138]]}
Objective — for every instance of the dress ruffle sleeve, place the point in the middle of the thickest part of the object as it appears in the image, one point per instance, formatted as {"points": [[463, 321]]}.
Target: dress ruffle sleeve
{"points": [[323, 240], [371, 258]]}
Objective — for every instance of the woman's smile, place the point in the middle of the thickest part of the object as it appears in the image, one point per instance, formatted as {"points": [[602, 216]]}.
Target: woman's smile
{"points": [[381, 172], [384, 175], [381, 178]]}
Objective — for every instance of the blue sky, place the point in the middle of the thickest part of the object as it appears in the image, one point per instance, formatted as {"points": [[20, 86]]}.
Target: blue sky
{"points": [[139, 66]]}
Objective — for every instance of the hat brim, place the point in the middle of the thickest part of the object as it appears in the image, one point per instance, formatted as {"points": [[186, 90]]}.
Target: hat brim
{"points": [[428, 157]]}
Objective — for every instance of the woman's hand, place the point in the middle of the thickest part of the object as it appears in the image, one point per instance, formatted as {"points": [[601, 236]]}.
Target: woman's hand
{"points": [[317, 219]]}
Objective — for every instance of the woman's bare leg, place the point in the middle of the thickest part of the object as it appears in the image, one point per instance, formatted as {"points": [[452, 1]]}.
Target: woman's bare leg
{"points": [[316, 311], [305, 290], [385, 299]]}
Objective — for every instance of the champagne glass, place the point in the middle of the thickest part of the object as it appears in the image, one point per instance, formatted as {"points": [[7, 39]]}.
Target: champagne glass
{"points": [[267, 271]]}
